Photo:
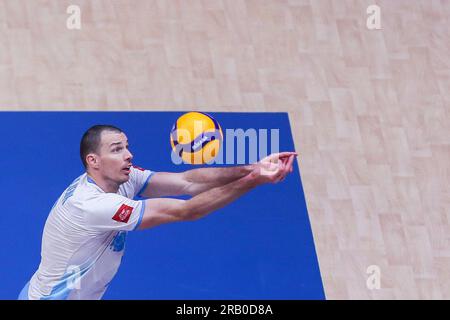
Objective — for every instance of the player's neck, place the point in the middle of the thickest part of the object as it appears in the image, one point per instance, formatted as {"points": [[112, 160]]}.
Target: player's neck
{"points": [[107, 186]]}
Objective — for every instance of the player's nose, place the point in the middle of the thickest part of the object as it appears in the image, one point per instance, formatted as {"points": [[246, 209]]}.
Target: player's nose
{"points": [[128, 155]]}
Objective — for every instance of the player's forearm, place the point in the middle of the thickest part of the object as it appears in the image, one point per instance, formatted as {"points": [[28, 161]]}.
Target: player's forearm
{"points": [[216, 198], [215, 177]]}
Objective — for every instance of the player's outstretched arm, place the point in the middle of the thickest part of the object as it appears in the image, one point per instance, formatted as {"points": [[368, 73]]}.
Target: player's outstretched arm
{"points": [[159, 211], [195, 181], [202, 179]]}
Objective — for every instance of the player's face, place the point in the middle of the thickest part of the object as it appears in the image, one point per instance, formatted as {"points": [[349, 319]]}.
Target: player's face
{"points": [[115, 157]]}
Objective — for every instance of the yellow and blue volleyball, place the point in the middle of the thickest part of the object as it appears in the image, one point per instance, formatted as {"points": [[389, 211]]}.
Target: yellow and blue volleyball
{"points": [[196, 138]]}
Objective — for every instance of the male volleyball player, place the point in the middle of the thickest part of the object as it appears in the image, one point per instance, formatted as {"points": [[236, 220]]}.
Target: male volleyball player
{"points": [[84, 235]]}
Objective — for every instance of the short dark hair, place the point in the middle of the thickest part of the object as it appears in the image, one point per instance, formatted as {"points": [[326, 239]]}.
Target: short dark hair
{"points": [[90, 142]]}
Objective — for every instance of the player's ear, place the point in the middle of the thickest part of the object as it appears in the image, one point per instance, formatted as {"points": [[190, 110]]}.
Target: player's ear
{"points": [[92, 160]]}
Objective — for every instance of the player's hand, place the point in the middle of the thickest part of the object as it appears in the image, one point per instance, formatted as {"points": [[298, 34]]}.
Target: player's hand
{"points": [[273, 168]]}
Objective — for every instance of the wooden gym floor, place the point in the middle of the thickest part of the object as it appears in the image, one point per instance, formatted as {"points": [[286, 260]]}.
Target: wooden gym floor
{"points": [[369, 109]]}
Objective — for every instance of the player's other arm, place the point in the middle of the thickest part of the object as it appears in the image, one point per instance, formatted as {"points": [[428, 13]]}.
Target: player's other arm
{"points": [[159, 211]]}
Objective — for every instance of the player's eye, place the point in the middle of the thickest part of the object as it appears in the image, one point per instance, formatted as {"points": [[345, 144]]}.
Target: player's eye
{"points": [[117, 149]]}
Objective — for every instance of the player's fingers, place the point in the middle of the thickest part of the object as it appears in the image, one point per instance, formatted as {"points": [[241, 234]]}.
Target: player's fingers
{"points": [[292, 166], [281, 178], [286, 166], [278, 179], [290, 163], [280, 155], [282, 166], [286, 154], [280, 173]]}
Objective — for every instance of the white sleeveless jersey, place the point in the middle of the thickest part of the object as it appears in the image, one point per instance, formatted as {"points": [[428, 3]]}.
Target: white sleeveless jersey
{"points": [[84, 238]]}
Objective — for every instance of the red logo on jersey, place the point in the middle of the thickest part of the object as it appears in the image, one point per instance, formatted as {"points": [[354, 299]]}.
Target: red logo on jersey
{"points": [[123, 214], [139, 168]]}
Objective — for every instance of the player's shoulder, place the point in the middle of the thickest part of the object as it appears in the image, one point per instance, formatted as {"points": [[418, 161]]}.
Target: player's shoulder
{"points": [[135, 168], [84, 190], [137, 172], [137, 175]]}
